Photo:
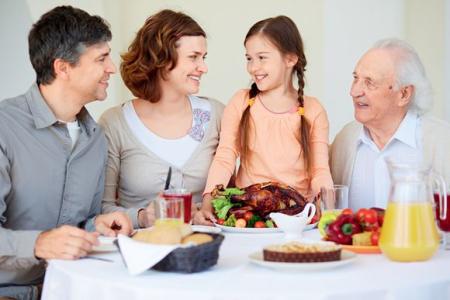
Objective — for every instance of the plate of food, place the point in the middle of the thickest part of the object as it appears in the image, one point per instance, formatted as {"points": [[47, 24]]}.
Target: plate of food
{"points": [[358, 231], [256, 230], [298, 256], [362, 249], [247, 210]]}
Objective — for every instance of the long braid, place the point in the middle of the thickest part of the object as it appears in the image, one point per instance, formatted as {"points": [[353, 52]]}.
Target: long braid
{"points": [[304, 124], [244, 127]]}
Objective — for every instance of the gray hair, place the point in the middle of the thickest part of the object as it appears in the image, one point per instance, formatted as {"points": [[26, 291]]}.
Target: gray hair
{"points": [[409, 71]]}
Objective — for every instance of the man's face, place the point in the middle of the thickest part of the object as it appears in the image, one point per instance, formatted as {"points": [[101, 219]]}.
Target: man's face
{"points": [[375, 98], [88, 79]]}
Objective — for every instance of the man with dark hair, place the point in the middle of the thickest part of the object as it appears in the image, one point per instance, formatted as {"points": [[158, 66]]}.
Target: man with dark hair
{"points": [[53, 154]]}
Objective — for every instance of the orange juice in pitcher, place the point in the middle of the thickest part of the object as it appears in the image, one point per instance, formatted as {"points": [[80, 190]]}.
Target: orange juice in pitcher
{"points": [[409, 230]]}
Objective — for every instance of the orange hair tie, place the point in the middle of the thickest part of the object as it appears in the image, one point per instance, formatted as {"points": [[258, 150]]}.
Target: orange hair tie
{"points": [[251, 101], [301, 111]]}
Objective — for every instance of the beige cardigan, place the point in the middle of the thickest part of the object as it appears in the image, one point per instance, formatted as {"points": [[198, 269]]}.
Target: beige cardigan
{"points": [[138, 175], [435, 142]]}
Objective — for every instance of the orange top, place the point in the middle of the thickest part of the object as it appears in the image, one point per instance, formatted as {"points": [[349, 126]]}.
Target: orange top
{"points": [[274, 147]]}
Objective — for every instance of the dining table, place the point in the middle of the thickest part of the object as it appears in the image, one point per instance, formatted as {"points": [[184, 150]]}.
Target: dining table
{"points": [[237, 276]]}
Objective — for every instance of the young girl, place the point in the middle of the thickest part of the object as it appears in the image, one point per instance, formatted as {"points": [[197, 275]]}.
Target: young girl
{"points": [[278, 133]]}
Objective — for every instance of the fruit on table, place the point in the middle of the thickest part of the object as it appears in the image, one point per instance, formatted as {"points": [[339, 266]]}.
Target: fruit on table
{"points": [[341, 230], [362, 239], [327, 218]]}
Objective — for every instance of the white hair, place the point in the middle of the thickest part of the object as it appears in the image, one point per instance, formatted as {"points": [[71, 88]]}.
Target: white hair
{"points": [[409, 71]]}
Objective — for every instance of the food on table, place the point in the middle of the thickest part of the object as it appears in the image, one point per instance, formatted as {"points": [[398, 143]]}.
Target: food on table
{"points": [[197, 239], [164, 234], [362, 239], [250, 206], [327, 218], [347, 228], [302, 252]]}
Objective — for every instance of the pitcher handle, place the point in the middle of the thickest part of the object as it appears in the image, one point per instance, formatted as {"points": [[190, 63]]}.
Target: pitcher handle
{"points": [[310, 210], [442, 194]]}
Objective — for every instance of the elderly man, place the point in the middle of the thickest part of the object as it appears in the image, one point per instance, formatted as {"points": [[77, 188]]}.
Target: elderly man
{"points": [[391, 95], [53, 154]]}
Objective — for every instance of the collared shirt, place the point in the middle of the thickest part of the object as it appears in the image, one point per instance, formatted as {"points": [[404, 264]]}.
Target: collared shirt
{"points": [[370, 183], [44, 182]]}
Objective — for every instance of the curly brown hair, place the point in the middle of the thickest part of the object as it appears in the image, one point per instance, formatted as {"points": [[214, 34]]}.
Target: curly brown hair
{"points": [[284, 34], [153, 52]]}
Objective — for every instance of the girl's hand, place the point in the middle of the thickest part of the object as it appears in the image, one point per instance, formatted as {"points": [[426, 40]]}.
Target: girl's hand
{"points": [[204, 217]]}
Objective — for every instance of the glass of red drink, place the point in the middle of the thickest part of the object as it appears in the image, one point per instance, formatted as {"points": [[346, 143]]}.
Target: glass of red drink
{"points": [[443, 216], [187, 200]]}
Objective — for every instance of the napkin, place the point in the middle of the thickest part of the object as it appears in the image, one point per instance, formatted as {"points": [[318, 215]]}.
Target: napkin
{"points": [[139, 256]]}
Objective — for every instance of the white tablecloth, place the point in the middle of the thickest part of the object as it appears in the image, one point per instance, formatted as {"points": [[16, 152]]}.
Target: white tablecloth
{"points": [[234, 277]]}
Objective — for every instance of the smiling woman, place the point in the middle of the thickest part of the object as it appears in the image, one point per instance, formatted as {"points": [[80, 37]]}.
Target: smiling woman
{"points": [[165, 125]]}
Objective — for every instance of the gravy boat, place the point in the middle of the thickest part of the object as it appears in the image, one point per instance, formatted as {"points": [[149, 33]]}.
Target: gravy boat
{"points": [[293, 226]]}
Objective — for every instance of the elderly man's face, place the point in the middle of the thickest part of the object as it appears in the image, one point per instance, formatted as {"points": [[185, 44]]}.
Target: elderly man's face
{"points": [[375, 98]]}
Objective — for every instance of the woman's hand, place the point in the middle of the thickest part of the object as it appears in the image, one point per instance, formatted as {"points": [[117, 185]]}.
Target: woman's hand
{"points": [[146, 216]]}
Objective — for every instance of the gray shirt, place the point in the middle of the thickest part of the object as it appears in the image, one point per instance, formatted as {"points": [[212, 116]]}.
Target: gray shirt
{"points": [[44, 183]]}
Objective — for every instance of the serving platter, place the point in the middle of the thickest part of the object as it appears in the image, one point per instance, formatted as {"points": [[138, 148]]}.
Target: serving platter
{"points": [[362, 249], [347, 257], [257, 230]]}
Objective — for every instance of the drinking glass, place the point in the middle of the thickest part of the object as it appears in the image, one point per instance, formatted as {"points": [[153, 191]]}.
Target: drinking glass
{"points": [[183, 194], [443, 216], [335, 197], [169, 210]]}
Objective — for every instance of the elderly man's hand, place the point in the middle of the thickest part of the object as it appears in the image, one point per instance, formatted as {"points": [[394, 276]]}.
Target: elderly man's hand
{"points": [[65, 242], [112, 224]]}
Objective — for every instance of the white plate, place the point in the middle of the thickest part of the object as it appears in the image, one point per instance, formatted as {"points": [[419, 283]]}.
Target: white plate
{"points": [[346, 258], [257, 230], [206, 229], [106, 244]]}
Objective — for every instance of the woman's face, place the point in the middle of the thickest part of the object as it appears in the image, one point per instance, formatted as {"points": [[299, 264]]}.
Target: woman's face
{"points": [[185, 77], [267, 66]]}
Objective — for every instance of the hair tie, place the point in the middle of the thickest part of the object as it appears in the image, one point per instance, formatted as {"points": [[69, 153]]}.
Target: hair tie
{"points": [[301, 111], [251, 101]]}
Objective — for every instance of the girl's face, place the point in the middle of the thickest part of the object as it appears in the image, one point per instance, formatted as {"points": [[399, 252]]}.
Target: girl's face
{"points": [[267, 66], [185, 77]]}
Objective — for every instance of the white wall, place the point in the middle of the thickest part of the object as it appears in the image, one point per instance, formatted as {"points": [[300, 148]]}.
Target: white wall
{"points": [[351, 27], [336, 34], [16, 72]]}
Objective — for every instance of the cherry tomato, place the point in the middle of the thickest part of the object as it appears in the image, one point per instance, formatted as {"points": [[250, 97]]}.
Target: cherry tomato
{"points": [[248, 216], [220, 221], [260, 224], [241, 223], [347, 211], [375, 237], [360, 214], [371, 217]]}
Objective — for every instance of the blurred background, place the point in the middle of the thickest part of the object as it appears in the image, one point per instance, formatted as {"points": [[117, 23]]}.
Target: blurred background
{"points": [[335, 33]]}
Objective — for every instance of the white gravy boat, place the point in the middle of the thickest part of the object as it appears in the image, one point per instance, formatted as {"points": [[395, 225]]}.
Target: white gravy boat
{"points": [[293, 226]]}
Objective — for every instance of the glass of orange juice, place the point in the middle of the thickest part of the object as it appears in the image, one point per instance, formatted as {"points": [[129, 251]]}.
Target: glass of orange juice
{"points": [[409, 231]]}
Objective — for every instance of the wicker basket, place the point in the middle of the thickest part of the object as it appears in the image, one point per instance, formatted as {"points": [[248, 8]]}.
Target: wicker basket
{"points": [[192, 259]]}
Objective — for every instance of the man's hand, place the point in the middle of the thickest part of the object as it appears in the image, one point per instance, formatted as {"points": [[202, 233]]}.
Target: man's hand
{"points": [[65, 242], [146, 216], [113, 223]]}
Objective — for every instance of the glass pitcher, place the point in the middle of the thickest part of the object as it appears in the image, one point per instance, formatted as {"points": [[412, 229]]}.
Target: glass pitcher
{"points": [[409, 231]]}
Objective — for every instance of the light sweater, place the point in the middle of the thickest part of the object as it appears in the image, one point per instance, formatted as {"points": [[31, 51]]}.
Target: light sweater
{"points": [[435, 140], [136, 175], [274, 147]]}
